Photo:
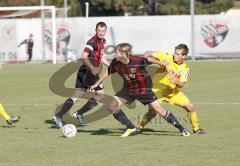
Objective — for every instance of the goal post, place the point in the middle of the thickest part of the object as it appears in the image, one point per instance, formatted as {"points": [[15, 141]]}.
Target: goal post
{"points": [[36, 8]]}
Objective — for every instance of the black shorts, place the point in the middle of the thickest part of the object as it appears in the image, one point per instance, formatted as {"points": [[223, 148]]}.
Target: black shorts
{"points": [[144, 98], [85, 79]]}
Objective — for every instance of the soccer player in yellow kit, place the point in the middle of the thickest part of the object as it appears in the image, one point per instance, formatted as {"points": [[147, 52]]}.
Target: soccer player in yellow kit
{"points": [[9, 119], [169, 78]]}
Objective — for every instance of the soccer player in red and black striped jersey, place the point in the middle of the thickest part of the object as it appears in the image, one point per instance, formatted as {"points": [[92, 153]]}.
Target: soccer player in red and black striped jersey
{"points": [[137, 85], [87, 75]]}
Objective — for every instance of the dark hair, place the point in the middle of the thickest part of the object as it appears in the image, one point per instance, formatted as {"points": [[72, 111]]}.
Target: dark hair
{"points": [[101, 24], [183, 47]]}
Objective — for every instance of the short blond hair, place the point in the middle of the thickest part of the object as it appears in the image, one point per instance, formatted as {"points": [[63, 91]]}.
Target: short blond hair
{"points": [[125, 48]]}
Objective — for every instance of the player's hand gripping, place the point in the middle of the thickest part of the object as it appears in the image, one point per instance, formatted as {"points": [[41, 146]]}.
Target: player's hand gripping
{"points": [[92, 88]]}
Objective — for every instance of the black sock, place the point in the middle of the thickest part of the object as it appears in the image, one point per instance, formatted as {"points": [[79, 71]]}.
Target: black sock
{"points": [[65, 108], [122, 118], [150, 114], [170, 118], [88, 106]]}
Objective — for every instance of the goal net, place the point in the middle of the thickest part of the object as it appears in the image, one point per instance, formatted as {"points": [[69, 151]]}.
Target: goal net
{"points": [[18, 25]]}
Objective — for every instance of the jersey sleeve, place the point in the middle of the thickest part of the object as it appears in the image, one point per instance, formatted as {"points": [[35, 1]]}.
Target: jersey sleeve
{"points": [[145, 62], [184, 75], [111, 67], [23, 42], [89, 47], [162, 56]]}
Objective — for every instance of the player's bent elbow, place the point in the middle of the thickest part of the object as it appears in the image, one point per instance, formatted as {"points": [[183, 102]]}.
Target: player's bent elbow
{"points": [[147, 54], [85, 55], [179, 86], [190, 107]]}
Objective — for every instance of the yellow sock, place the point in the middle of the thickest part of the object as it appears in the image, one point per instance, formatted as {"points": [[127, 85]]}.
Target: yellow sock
{"points": [[194, 120], [3, 113], [147, 118]]}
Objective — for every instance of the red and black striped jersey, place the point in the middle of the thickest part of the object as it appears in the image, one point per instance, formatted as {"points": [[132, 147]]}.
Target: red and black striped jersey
{"points": [[94, 48], [135, 76], [29, 43]]}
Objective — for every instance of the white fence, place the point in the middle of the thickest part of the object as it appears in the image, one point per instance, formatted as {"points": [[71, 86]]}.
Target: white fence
{"points": [[216, 35]]}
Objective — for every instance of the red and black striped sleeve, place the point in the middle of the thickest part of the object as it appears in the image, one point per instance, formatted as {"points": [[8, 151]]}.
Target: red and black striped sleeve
{"points": [[145, 62], [90, 46], [111, 67]]}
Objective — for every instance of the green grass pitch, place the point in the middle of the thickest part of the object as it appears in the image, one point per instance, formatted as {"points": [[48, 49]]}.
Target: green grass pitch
{"points": [[213, 86]]}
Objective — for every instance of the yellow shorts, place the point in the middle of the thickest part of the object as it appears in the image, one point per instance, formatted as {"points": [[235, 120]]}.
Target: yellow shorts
{"points": [[178, 98]]}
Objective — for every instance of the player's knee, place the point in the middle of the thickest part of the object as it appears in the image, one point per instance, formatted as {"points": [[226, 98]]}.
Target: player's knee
{"points": [[112, 107], [74, 99], [99, 97], [78, 94]]}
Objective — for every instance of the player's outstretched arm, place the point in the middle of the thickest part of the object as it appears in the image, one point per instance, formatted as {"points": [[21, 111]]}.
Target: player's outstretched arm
{"points": [[154, 60], [105, 61], [148, 54], [152, 57], [23, 42]]}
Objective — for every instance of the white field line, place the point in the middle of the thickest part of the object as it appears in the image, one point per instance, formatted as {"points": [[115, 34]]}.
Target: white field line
{"points": [[52, 104], [218, 103]]}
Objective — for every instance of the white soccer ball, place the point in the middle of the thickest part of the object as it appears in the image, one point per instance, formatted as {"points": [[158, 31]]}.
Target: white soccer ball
{"points": [[69, 130]]}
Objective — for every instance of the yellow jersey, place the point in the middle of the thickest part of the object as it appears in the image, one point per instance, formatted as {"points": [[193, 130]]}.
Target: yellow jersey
{"points": [[161, 78]]}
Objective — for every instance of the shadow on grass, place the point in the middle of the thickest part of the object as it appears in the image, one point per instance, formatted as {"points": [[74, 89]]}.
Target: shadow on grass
{"points": [[118, 131], [7, 126], [52, 123], [49, 121], [148, 131], [101, 131]]}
